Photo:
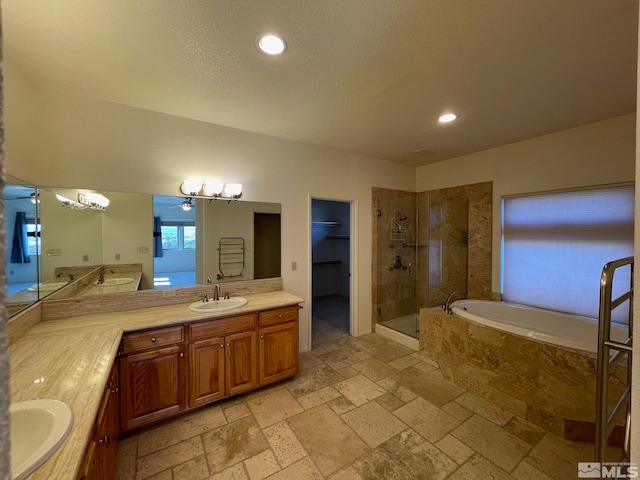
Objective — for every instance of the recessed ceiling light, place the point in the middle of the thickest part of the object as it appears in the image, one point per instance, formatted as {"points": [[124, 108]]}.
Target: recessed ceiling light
{"points": [[272, 44], [447, 118]]}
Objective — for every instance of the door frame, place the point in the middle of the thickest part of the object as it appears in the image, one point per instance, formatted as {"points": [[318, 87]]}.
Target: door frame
{"points": [[353, 262]]}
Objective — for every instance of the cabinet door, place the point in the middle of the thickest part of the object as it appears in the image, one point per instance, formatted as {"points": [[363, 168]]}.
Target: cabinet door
{"points": [[241, 362], [206, 371], [152, 385], [278, 352], [109, 427]]}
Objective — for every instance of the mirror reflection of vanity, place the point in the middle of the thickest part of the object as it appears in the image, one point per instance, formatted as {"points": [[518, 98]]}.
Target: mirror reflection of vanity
{"points": [[138, 241]]}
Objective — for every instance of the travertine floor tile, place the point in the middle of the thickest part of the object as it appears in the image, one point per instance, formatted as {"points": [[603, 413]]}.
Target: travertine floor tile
{"points": [[397, 390], [373, 423], [318, 397], [373, 369], [194, 469], [455, 449], [458, 411], [165, 475], [330, 442], [284, 443], [347, 372], [187, 426], [126, 458], [389, 402], [166, 458], [274, 407], [308, 360], [484, 408], [341, 405], [337, 359], [427, 419], [359, 389], [233, 443], [524, 430], [491, 441], [236, 472], [404, 362], [346, 474], [479, 468], [236, 412], [304, 469], [526, 471], [262, 465], [313, 379], [437, 392], [556, 457], [406, 456]]}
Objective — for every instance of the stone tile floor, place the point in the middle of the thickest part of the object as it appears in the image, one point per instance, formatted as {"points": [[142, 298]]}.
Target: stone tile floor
{"points": [[360, 408]]}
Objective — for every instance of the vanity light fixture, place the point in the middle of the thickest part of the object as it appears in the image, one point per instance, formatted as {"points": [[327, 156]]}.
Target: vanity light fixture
{"points": [[447, 117], [272, 44], [92, 200], [193, 188]]}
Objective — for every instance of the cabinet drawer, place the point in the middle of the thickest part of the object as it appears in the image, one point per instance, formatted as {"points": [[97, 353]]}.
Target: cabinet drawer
{"points": [[279, 315], [221, 326], [152, 338]]}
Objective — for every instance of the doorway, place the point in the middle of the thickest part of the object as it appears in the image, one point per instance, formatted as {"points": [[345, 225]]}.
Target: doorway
{"points": [[331, 270]]}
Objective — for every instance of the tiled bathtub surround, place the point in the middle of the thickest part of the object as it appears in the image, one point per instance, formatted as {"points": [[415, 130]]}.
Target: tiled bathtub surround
{"points": [[542, 383], [361, 408]]}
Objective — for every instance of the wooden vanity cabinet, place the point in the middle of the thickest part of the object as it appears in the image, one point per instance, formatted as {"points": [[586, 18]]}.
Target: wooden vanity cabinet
{"points": [[278, 345], [222, 363], [100, 455], [153, 376]]}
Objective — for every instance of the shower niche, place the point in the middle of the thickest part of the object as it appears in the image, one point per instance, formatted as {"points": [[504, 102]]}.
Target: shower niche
{"points": [[422, 247]]}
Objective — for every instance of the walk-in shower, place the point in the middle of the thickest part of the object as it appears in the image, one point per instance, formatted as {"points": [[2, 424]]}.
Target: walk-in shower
{"points": [[421, 254]]}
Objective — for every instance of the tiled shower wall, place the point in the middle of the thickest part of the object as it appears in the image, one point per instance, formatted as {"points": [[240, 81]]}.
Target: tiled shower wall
{"points": [[465, 266]]}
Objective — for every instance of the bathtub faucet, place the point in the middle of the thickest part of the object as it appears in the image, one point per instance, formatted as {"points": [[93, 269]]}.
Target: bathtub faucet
{"points": [[446, 306]]}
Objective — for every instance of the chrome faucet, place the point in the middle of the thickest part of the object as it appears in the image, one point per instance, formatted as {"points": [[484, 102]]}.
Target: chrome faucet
{"points": [[67, 274], [206, 297], [101, 277], [216, 292], [446, 306]]}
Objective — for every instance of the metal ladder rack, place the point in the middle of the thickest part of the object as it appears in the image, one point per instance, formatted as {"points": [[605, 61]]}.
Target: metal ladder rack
{"points": [[605, 420], [230, 257]]}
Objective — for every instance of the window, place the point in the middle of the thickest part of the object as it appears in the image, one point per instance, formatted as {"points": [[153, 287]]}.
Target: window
{"points": [[555, 245], [33, 236], [178, 236]]}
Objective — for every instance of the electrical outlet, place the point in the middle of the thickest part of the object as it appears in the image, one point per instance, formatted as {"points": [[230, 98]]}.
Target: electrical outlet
{"points": [[117, 256], [143, 249], [85, 258], [294, 266], [54, 252], [168, 292]]}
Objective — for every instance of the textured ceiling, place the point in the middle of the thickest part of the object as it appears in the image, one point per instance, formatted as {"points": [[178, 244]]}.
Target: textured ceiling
{"points": [[364, 76]]}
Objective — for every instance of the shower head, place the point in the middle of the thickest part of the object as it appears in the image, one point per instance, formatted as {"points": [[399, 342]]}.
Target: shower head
{"points": [[400, 216]]}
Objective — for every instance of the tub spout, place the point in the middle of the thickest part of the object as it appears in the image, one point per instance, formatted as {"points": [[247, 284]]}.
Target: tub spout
{"points": [[446, 306]]}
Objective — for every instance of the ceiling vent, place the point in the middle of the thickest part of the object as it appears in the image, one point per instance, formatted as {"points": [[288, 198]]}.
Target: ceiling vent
{"points": [[425, 151]]}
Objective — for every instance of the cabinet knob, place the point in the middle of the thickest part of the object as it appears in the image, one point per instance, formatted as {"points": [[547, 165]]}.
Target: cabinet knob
{"points": [[105, 439], [261, 337], [228, 345], [222, 345], [181, 355], [153, 339], [115, 390], [279, 315]]}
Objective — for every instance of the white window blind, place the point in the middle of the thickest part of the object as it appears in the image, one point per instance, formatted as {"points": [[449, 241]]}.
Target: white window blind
{"points": [[555, 245]]}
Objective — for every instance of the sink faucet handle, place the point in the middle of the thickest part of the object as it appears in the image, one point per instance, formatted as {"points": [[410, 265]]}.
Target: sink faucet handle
{"points": [[206, 297], [227, 296]]}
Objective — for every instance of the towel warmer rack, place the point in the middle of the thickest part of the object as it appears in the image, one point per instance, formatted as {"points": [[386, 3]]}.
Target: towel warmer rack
{"points": [[230, 257], [605, 420]]}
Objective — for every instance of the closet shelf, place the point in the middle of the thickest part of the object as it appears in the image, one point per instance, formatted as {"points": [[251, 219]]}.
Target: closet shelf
{"points": [[338, 237], [326, 224], [327, 262]]}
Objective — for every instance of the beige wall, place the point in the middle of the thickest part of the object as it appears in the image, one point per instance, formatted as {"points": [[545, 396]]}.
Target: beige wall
{"points": [[93, 144], [594, 154]]}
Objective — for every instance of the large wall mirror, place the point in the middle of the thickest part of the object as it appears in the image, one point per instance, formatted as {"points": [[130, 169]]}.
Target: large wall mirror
{"points": [[68, 238]]}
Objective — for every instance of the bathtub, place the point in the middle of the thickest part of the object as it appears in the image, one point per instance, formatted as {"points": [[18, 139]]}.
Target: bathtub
{"points": [[561, 329]]}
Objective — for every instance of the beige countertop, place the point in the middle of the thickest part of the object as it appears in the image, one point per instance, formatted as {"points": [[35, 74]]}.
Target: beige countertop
{"points": [[69, 360]]}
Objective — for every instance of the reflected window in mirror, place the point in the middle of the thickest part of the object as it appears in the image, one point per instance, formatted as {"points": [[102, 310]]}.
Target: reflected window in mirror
{"points": [[174, 248]]}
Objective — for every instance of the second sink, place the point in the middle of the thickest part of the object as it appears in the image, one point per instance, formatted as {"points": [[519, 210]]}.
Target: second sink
{"points": [[110, 282], [218, 305]]}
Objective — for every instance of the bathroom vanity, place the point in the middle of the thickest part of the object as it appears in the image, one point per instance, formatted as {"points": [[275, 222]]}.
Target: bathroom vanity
{"points": [[120, 370]]}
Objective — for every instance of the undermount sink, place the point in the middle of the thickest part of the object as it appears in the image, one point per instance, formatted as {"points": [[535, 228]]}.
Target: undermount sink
{"points": [[111, 282], [47, 287], [38, 428], [218, 305]]}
